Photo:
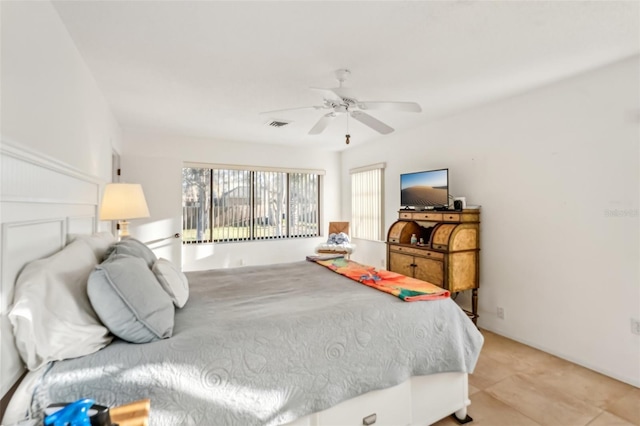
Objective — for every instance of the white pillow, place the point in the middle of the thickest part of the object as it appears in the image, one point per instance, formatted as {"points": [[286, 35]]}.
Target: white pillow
{"points": [[98, 242], [173, 281], [52, 316]]}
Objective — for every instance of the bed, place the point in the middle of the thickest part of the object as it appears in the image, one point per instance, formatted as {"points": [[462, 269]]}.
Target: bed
{"points": [[290, 344]]}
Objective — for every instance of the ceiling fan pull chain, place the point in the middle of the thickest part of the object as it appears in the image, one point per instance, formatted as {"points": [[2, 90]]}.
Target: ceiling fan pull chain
{"points": [[347, 135], [347, 120]]}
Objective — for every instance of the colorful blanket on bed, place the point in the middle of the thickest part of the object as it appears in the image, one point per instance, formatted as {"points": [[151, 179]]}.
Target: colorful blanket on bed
{"points": [[406, 288]]}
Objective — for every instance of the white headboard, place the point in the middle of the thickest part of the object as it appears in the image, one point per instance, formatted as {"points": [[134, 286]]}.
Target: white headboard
{"points": [[41, 201]]}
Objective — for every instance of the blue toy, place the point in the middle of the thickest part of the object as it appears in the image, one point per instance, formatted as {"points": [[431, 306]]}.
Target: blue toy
{"points": [[74, 414]]}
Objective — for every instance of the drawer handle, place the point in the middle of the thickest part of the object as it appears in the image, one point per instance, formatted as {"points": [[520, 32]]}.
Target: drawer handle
{"points": [[370, 419]]}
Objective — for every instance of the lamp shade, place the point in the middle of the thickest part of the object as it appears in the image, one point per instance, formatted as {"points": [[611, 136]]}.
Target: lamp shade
{"points": [[123, 201]]}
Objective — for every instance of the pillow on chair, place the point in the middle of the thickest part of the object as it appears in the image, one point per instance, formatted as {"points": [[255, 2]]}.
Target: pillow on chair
{"points": [[338, 241], [340, 238]]}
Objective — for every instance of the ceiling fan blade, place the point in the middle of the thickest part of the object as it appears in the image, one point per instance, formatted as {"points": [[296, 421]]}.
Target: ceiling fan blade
{"points": [[322, 123], [374, 123], [390, 106], [328, 94], [294, 109]]}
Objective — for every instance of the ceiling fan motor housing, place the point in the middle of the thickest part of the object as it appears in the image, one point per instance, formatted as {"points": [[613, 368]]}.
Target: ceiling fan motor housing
{"points": [[342, 75]]}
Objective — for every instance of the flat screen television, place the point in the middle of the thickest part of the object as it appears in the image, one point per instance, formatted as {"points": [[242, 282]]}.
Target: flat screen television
{"points": [[428, 189]]}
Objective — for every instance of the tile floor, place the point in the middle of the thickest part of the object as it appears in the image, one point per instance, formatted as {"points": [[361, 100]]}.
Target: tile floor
{"points": [[514, 384]]}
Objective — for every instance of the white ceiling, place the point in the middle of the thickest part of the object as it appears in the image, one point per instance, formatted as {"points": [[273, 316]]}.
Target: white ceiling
{"points": [[209, 68]]}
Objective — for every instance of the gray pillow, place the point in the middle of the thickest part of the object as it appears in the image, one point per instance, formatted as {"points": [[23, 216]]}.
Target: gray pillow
{"points": [[129, 300], [133, 247]]}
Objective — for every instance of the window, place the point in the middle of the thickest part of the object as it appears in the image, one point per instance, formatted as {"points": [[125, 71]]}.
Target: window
{"points": [[367, 200], [233, 204]]}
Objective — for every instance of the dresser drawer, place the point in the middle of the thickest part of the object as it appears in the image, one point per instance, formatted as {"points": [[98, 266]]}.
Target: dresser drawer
{"points": [[431, 254], [451, 217], [405, 250], [417, 252], [436, 217]]}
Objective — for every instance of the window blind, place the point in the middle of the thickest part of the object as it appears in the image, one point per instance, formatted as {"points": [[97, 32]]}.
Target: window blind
{"points": [[235, 204], [367, 199]]}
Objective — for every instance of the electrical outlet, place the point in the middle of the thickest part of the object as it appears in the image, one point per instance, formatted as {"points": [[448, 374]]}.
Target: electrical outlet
{"points": [[500, 312], [635, 326]]}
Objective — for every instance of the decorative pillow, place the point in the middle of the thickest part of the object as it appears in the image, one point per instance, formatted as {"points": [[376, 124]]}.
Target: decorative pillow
{"points": [[172, 280], [126, 296], [340, 238], [52, 317], [133, 247]]}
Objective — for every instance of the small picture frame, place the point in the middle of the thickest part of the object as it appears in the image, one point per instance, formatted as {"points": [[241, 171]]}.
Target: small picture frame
{"points": [[463, 200]]}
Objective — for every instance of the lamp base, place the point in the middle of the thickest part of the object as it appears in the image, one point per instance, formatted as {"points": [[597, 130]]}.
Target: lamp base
{"points": [[123, 226]]}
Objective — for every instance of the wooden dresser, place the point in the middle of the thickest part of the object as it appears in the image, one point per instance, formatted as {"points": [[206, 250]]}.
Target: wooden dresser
{"points": [[449, 255]]}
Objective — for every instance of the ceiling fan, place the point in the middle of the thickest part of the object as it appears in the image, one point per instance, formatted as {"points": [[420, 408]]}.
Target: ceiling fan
{"points": [[339, 101]]}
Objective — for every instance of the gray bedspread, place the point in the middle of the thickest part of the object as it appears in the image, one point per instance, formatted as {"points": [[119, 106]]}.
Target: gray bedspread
{"points": [[266, 345]]}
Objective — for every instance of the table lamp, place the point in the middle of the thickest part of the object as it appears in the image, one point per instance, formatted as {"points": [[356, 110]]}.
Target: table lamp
{"points": [[122, 201]]}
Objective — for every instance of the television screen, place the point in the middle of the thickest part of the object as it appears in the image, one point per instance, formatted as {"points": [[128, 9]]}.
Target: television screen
{"points": [[425, 189]]}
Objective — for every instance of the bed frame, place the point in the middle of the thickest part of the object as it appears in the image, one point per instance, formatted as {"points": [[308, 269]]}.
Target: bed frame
{"points": [[44, 200]]}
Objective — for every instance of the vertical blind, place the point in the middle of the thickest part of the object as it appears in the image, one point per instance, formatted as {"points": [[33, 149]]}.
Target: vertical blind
{"points": [[235, 204], [367, 199], [270, 205], [304, 205], [231, 194]]}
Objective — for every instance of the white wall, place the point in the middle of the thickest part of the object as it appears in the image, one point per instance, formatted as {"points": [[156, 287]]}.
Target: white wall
{"points": [[59, 130], [50, 101], [156, 162], [548, 167]]}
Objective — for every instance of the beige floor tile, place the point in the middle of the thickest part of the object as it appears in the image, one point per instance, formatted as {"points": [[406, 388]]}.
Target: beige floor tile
{"points": [[627, 407], [542, 403], [584, 384], [490, 371], [516, 384], [608, 419], [518, 356], [488, 411]]}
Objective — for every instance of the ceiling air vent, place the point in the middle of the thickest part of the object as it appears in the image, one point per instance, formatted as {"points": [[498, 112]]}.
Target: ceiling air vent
{"points": [[277, 123]]}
